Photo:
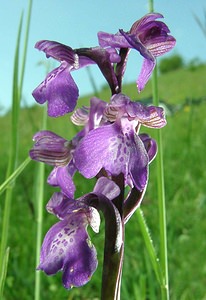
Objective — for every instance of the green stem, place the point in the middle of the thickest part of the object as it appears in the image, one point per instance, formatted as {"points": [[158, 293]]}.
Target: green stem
{"points": [[149, 245], [4, 271], [11, 164], [40, 204], [39, 198], [161, 191], [14, 175], [151, 5], [161, 199], [16, 98]]}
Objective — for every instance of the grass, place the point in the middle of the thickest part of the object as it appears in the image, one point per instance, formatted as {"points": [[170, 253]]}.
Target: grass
{"points": [[185, 177]]}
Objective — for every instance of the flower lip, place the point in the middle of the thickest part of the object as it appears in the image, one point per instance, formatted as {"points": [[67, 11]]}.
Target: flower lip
{"points": [[59, 89], [67, 247], [118, 153]]}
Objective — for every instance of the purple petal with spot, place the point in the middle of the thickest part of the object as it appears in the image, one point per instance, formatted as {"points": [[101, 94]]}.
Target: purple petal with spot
{"points": [[67, 247], [95, 151], [138, 164], [60, 205], [107, 147], [60, 90]]}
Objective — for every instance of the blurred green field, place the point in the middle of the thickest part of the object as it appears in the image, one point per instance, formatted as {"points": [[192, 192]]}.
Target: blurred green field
{"points": [[183, 93]]}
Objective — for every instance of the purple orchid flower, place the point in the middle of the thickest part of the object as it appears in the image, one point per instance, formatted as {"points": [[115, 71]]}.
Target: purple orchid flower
{"points": [[67, 246], [59, 88], [56, 151], [116, 147], [148, 36]]}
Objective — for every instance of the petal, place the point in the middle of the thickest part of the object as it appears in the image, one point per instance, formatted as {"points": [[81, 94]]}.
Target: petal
{"points": [[62, 177], [149, 116], [53, 249], [99, 149], [135, 43], [112, 40], [107, 147], [152, 30], [106, 187], [64, 53], [150, 146], [120, 100], [60, 205], [139, 24], [80, 116], [161, 45], [94, 219], [65, 182], [58, 51], [145, 73], [67, 247], [50, 148], [90, 117], [80, 267], [117, 107], [153, 35], [132, 202], [97, 108], [60, 90], [138, 165]]}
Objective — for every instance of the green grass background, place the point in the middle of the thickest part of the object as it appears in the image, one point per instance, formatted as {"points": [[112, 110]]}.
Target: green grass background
{"points": [[184, 94]]}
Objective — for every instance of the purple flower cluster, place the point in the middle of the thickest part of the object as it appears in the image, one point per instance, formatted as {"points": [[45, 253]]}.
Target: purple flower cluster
{"points": [[110, 146]]}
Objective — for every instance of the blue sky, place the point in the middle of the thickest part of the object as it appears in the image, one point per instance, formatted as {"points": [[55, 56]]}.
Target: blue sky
{"points": [[76, 24]]}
